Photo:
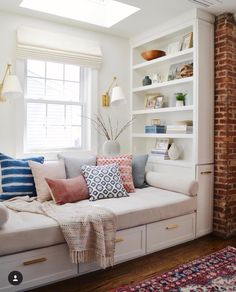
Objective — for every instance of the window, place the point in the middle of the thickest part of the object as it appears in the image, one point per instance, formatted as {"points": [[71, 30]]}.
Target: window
{"points": [[55, 103]]}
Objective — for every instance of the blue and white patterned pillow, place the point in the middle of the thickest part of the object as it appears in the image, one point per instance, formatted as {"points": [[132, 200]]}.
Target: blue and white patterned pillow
{"points": [[17, 178], [104, 182]]}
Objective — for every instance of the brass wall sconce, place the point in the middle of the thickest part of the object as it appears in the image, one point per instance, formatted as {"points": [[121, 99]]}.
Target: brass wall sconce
{"points": [[10, 86], [114, 95]]}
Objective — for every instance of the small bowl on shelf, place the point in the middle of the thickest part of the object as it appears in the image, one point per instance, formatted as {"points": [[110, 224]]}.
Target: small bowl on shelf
{"points": [[152, 54]]}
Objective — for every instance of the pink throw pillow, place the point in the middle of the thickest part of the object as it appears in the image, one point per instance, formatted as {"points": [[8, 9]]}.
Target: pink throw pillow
{"points": [[125, 167], [68, 190]]}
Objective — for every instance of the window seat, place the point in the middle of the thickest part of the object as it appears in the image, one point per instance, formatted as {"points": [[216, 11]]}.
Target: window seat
{"points": [[26, 231]]}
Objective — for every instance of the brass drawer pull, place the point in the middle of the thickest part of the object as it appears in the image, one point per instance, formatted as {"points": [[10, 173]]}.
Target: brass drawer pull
{"points": [[119, 239], [36, 261], [172, 226], [206, 172]]}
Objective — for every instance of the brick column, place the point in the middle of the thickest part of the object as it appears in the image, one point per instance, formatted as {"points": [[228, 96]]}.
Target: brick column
{"points": [[225, 126]]}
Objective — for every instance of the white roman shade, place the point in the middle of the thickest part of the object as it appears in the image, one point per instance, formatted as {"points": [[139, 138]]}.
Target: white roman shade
{"points": [[57, 47]]}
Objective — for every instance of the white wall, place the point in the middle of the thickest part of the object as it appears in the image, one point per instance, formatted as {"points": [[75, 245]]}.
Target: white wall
{"points": [[115, 63]]}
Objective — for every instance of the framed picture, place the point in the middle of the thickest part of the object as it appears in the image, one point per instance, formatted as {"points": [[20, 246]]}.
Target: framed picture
{"points": [[150, 101], [175, 70], [173, 48], [187, 41], [159, 102], [162, 144]]}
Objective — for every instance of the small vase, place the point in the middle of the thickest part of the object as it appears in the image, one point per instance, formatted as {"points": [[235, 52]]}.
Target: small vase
{"points": [[173, 152], [179, 103], [147, 81], [111, 148]]}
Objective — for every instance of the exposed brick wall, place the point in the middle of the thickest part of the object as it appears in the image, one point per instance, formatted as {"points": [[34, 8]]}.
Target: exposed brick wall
{"points": [[225, 126]]}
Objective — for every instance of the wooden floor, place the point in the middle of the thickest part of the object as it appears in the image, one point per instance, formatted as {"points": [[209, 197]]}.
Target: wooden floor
{"points": [[141, 268]]}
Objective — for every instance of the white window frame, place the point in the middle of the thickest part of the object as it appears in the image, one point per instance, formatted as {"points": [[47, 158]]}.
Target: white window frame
{"points": [[89, 135]]}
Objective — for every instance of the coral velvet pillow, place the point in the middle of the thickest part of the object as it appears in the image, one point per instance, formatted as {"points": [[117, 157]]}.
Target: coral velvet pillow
{"points": [[68, 190], [125, 167]]}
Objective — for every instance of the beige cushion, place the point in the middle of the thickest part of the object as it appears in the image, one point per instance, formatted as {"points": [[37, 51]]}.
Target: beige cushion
{"points": [[4, 214], [25, 231], [53, 170], [176, 183]]}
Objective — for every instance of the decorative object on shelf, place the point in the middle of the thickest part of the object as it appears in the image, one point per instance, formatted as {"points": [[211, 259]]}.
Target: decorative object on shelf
{"points": [[105, 128], [150, 101], [156, 122], [173, 152], [155, 129], [162, 143], [185, 122], [187, 41], [147, 81], [173, 48], [159, 102], [10, 86], [180, 99], [152, 54], [157, 78], [186, 71], [114, 95], [160, 152], [111, 148], [175, 70]]}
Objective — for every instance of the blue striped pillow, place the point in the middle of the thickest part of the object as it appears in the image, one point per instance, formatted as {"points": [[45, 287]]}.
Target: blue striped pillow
{"points": [[17, 178]]}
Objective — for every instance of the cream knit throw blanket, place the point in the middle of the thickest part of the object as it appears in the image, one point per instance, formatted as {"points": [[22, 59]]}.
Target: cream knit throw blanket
{"points": [[88, 230]]}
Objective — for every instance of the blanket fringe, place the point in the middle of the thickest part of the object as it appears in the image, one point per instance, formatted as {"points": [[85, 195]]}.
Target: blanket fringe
{"points": [[88, 256]]}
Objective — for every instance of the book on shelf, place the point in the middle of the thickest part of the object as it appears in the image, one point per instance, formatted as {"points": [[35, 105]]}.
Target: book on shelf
{"points": [[179, 129], [160, 154], [159, 157]]}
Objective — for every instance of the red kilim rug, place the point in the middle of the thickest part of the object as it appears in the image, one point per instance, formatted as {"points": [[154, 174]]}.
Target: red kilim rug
{"points": [[215, 272]]}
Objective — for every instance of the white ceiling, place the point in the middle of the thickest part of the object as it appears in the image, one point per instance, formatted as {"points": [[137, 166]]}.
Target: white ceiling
{"points": [[152, 14]]}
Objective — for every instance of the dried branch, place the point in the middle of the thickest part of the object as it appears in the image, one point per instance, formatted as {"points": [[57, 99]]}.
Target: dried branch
{"points": [[105, 128]]}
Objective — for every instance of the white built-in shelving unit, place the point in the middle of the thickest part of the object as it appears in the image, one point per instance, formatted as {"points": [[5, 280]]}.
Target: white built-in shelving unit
{"points": [[196, 149]]}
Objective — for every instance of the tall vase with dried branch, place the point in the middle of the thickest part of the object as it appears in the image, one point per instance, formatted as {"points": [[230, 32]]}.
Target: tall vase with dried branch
{"points": [[105, 128]]}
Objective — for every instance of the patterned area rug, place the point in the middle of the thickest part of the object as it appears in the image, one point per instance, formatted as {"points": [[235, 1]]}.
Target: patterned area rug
{"points": [[215, 272]]}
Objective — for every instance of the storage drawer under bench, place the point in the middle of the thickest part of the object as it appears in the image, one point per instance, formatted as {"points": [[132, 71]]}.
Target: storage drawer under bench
{"points": [[166, 233], [38, 267], [130, 243]]}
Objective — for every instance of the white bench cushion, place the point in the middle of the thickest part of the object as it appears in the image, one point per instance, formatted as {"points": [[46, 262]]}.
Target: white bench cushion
{"points": [[25, 231]]}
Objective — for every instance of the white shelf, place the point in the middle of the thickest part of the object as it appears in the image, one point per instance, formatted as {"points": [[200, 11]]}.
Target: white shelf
{"points": [[176, 136], [177, 163], [163, 84], [163, 110], [178, 56]]}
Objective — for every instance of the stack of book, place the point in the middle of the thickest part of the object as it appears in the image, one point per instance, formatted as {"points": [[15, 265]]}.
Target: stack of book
{"points": [[159, 154], [155, 129], [179, 129]]}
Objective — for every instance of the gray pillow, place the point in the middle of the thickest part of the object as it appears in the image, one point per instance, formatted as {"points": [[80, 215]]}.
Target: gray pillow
{"points": [[138, 170], [73, 164]]}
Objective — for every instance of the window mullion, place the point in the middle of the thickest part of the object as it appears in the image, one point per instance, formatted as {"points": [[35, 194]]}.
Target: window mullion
{"points": [[56, 114]]}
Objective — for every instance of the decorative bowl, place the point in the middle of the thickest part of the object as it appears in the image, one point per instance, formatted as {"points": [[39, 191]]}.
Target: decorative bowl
{"points": [[152, 54]]}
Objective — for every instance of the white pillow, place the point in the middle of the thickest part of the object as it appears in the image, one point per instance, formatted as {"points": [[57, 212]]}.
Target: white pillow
{"points": [[175, 183], [4, 214], [52, 169]]}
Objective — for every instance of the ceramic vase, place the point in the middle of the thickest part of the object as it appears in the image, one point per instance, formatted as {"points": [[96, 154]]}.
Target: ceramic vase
{"points": [[179, 103], [173, 152], [111, 148], [147, 81]]}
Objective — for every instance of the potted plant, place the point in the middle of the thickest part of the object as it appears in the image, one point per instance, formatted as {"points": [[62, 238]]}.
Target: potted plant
{"points": [[180, 98]]}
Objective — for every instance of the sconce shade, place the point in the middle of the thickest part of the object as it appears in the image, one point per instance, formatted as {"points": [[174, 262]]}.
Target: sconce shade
{"points": [[11, 87], [117, 96]]}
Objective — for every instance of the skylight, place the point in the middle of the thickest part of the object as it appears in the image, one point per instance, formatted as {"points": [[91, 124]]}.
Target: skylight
{"points": [[99, 12]]}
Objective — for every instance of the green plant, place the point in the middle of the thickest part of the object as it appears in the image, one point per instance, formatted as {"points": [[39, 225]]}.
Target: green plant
{"points": [[181, 96]]}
